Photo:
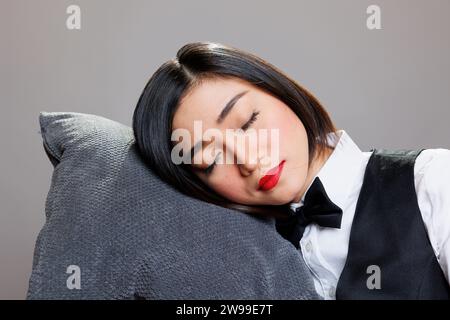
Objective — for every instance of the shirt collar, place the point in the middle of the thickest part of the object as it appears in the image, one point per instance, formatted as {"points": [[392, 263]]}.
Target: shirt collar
{"points": [[340, 170]]}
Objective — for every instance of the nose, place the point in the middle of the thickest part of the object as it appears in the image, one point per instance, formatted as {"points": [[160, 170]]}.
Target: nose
{"points": [[246, 155], [249, 165]]}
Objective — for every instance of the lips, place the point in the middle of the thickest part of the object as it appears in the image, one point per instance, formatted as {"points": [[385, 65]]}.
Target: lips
{"points": [[271, 178]]}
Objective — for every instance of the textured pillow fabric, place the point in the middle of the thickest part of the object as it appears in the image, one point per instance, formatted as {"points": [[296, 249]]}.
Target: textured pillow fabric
{"points": [[132, 236]]}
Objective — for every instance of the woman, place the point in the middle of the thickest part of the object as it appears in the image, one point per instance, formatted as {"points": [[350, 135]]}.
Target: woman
{"points": [[369, 224]]}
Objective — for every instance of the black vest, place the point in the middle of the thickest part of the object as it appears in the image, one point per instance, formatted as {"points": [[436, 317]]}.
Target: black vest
{"points": [[388, 239]]}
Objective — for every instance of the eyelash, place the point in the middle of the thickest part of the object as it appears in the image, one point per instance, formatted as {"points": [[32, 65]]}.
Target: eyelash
{"points": [[208, 170], [252, 119]]}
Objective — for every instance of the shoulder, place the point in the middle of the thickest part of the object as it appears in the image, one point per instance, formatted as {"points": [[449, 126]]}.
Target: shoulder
{"points": [[433, 165], [432, 183]]}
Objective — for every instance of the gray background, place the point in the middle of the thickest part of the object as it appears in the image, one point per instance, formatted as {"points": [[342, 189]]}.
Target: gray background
{"points": [[388, 88]]}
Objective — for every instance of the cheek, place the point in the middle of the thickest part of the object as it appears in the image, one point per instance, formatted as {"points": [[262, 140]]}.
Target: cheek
{"points": [[292, 135], [230, 191], [288, 123], [229, 185]]}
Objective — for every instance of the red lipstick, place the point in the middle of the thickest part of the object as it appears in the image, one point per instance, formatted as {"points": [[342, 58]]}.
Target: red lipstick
{"points": [[271, 178]]}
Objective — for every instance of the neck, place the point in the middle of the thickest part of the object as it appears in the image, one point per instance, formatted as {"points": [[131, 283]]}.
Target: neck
{"points": [[316, 164]]}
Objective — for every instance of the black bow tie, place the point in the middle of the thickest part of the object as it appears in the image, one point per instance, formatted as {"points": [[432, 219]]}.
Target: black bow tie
{"points": [[317, 208]]}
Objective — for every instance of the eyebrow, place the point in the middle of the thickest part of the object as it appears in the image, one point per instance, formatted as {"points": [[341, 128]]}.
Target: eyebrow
{"points": [[229, 106], [225, 111]]}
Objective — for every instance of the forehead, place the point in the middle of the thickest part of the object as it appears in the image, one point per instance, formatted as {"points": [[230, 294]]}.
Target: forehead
{"points": [[207, 100]]}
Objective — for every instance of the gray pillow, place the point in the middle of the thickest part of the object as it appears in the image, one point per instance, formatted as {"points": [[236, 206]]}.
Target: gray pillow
{"points": [[114, 230]]}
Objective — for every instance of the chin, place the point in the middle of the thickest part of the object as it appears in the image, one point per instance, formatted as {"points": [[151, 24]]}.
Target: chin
{"points": [[289, 192], [279, 202], [280, 196]]}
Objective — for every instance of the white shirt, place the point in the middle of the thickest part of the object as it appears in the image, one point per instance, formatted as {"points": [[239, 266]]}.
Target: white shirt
{"points": [[325, 249]]}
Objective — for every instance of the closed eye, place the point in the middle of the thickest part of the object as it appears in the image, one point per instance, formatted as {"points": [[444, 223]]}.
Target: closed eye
{"points": [[210, 168], [252, 119]]}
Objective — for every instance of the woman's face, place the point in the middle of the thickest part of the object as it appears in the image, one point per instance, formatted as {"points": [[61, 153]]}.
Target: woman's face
{"points": [[239, 181]]}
